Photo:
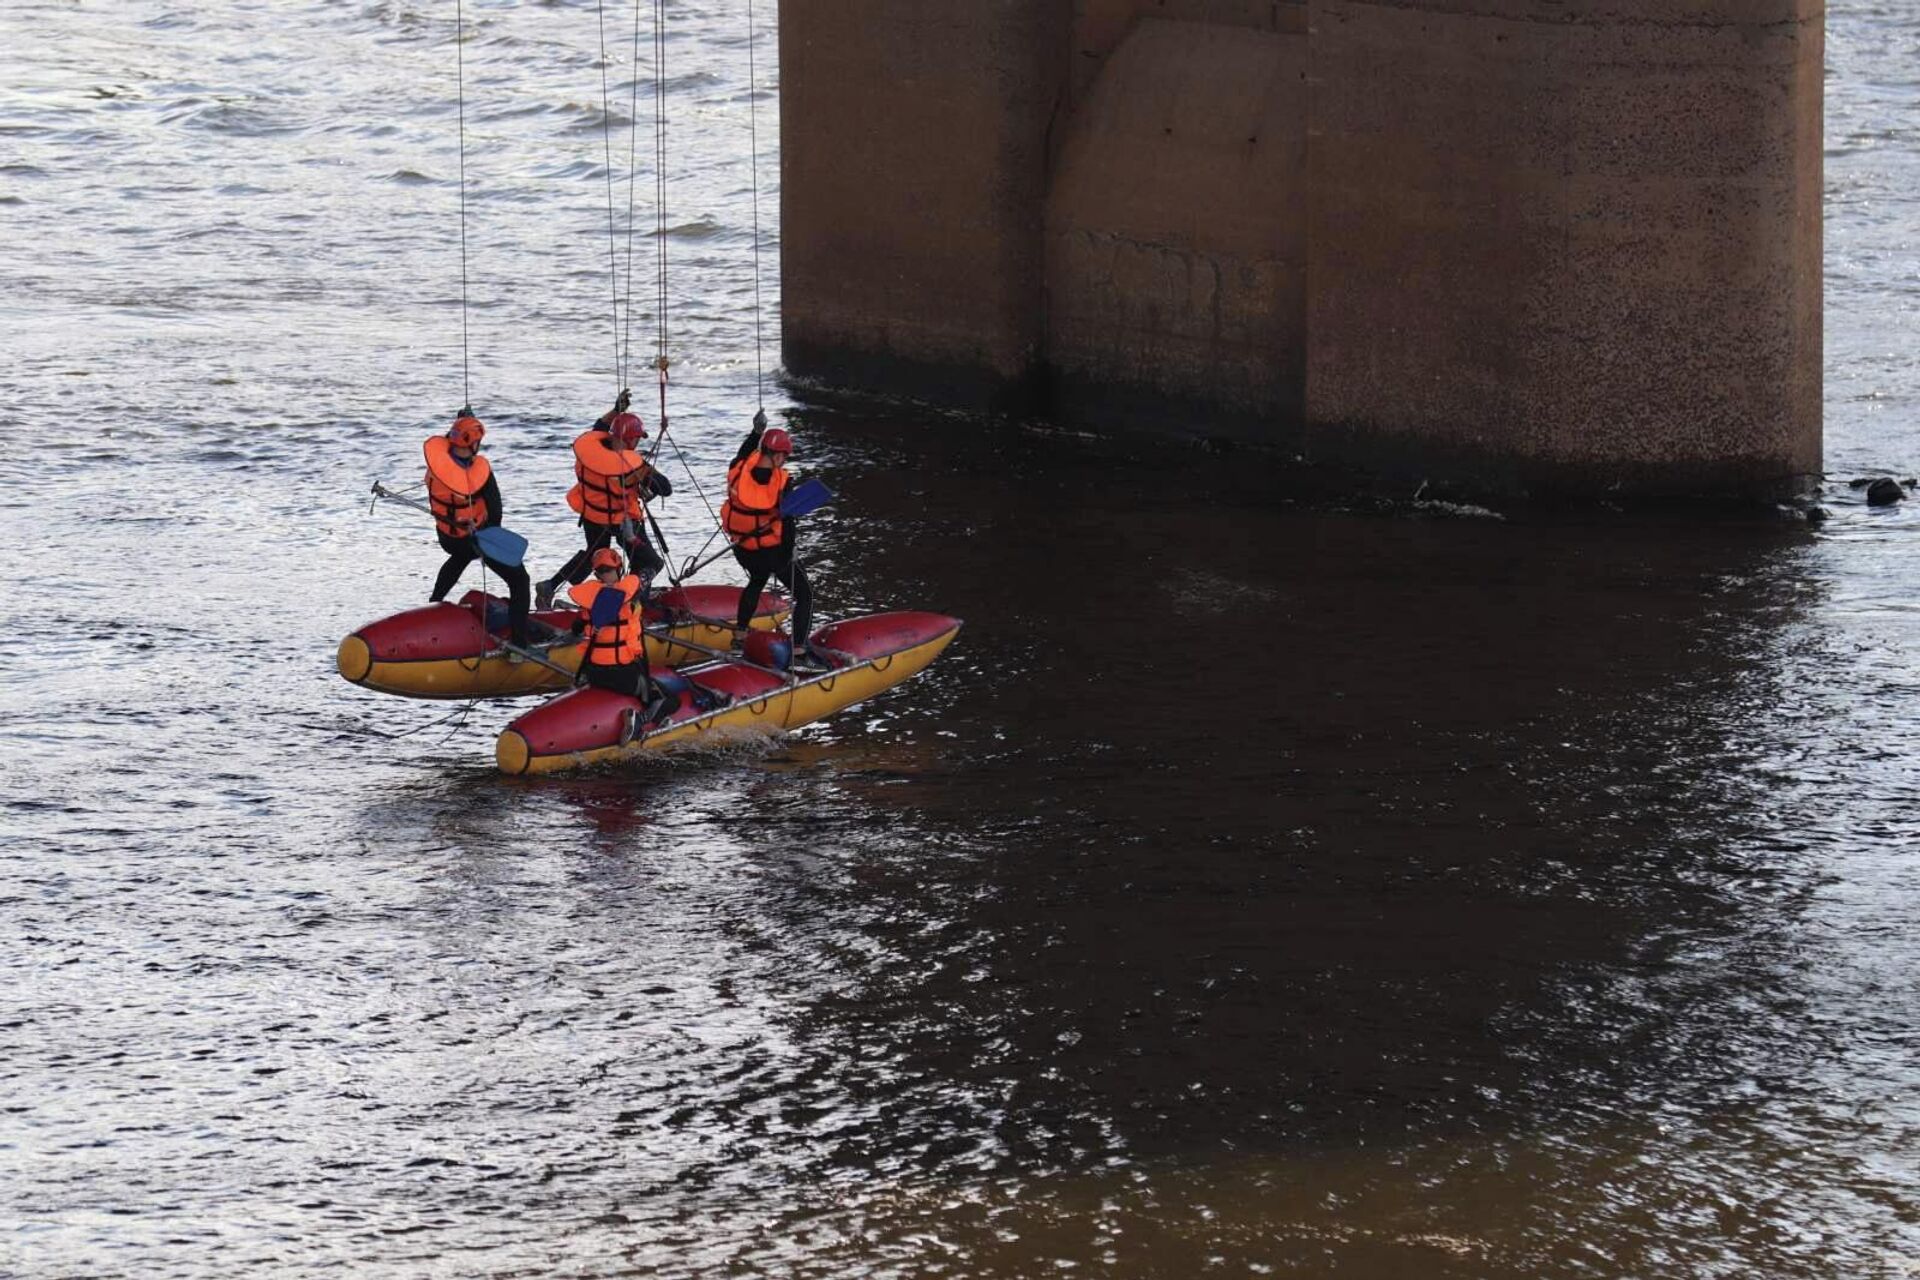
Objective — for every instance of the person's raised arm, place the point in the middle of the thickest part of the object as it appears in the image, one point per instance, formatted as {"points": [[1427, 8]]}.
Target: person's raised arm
{"points": [[752, 441]]}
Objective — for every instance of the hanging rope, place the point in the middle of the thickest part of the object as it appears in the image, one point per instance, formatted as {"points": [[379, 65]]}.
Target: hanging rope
{"points": [[660, 201], [622, 299], [460, 81], [753, 134], [633, 182], [466, 381], [613, 240], [659, 207], [661, 362], [759, 362]]}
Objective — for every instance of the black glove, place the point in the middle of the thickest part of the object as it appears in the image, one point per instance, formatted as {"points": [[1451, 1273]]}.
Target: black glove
{"points": [[658, 485], [621, 401], [760, 420], [579, 624]]}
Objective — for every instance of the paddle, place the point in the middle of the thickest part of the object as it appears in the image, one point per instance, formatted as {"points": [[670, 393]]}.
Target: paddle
{"points": [[607, 604], [548, 663], [666, 554], [503, 546], [725, 655], [809, 496]]}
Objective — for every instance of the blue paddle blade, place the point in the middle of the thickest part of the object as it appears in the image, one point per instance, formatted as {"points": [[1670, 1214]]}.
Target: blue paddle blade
{"points": [[809, 495], [501, 545], [607, 606]]}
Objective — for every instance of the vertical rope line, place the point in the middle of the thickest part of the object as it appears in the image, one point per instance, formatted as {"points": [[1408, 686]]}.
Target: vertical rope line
{"points": [[613, 242], [660, 242], [633, 181], [753, 134], [660, 361], [466, 388], [460, 81], [660, 179]]}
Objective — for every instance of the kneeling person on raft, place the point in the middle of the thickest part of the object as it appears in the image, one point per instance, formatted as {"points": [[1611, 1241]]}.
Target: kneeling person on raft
{"points": [[613, 485], [616, 657], [465, 496], [763, 538]]}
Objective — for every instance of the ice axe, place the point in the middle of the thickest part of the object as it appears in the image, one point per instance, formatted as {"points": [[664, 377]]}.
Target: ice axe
{"points": [[500, 545]]}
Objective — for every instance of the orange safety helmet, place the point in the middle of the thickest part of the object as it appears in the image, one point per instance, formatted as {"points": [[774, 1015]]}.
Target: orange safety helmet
{"points": [[466, 432], [776, 441], [627, 428], [606, 558]]}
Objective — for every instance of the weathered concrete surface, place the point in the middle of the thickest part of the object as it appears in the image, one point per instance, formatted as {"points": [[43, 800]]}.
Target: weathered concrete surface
{"points": [[1529, 245], [1176, 248], [1575, 244], [913, 177], [1100, 25]]}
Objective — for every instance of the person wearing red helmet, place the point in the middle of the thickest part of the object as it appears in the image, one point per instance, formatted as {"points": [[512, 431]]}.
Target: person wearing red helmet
{"points": [[613, 483], [763, 539], [465, 495], [612, 619]]}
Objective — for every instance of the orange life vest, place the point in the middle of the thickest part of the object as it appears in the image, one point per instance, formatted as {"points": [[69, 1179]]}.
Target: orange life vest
{"points": [[751, 513], [621, 643], [452, 486], [611, 480]]}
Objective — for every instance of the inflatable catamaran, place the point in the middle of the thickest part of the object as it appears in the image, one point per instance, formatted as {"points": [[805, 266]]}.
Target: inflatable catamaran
{"points": [[455, 651], [729, 698], [464, 651], [460, 650]]}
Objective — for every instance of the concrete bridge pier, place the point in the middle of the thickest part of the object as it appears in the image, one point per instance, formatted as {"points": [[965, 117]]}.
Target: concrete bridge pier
{"points": [[1515, 246]]}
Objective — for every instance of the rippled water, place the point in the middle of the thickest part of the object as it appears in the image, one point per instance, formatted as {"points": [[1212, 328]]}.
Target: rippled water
{"points": [[1254, 887]]}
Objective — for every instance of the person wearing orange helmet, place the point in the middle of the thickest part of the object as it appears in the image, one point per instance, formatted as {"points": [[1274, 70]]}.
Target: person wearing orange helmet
{"points": [[762, 537], [465, 496], [612, 485], [611, 618]]}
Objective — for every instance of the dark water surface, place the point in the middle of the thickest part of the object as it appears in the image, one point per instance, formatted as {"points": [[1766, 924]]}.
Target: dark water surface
{"points": [[1255, 888]]}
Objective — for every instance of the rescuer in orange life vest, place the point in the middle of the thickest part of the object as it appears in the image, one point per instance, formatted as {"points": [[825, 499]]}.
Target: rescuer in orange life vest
{"points": [[616, 657], [613, 485], [464, 497], [763, 538]]}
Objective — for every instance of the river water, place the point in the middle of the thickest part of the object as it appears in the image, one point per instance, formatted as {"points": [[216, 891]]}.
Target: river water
{"points": [[1254, 888]]}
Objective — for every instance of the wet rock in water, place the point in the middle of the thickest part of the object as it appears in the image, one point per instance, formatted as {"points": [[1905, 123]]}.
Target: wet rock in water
{"points": [[1884, 492]]}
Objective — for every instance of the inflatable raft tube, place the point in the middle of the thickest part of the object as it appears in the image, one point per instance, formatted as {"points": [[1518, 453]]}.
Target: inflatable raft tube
{"points": [[454, 650], [594, 726]]}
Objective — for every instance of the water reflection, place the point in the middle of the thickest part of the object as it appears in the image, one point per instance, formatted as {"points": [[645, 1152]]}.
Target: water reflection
{"points": [[1229, 902], [1263, 880], [1374, 847]]}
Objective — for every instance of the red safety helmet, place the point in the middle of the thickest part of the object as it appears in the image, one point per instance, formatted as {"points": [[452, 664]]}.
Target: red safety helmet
{"points": [[606, 558], [466, 432], [627, 428], [776, 441]]}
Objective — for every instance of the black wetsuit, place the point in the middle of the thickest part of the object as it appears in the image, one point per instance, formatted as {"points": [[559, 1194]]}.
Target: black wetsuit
{"points": [[462, 552], [641, 557], [630, 679], [775, 562]]}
